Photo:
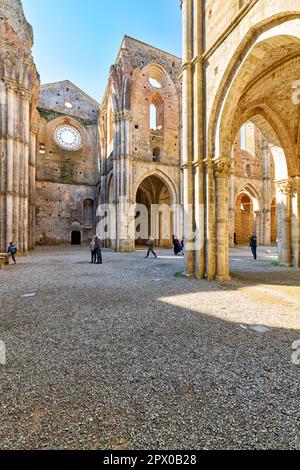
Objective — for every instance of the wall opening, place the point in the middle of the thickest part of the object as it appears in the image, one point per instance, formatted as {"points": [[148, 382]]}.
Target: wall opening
{"points": [[88, 213], [76, 238]]}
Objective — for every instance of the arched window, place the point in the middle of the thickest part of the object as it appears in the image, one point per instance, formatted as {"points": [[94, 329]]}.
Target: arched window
{"points": [[157, 113], [153, 117], [243, 144], [88, 213]]}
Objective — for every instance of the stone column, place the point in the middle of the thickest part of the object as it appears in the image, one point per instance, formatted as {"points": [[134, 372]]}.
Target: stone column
{"points": [[295, 221], [210, 219], [32, 177], [116, 127], [231, 224], [125, 239], [198, 104], [267, 195], [26, 138], [284, 198], [3, 155], [222, 172], [10, 162], [187, 136]]}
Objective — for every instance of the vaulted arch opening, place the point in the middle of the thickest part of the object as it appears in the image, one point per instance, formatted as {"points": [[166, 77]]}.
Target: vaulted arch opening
{"points": [[154, 217], [259, 93]]}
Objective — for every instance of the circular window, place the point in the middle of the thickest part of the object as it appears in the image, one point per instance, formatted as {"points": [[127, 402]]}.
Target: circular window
{"points": [[68, 137]]}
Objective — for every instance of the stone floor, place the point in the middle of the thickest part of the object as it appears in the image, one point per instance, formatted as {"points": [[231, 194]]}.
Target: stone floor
{"points": [[129, 356]]}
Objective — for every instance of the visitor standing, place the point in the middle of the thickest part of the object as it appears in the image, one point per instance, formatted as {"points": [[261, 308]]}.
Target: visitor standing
{"points": [[98, 249], [253, 246], [93, 250]]}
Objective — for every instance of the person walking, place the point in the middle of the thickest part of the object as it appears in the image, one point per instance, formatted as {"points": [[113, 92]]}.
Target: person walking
{"points": [[253, 246], [12, 251], [98, 249], [150, 245]]}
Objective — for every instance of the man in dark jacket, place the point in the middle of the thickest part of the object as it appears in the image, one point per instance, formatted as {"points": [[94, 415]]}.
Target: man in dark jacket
{"points": [[12, 251], [253, 246]]}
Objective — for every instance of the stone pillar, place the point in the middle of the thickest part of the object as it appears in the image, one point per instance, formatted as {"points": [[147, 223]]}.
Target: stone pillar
{"points": [[222, 172], [10, 163], [210, 219], [32, 175], [26, 140], [259, 227], [187, 136], [231, 223], [295, 209], [198, 105], [126, 240], [284, 198], [3, 150], [267, 195]]}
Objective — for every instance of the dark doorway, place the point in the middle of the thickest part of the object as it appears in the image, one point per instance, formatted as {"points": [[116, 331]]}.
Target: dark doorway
{"points": [[76, 238]]}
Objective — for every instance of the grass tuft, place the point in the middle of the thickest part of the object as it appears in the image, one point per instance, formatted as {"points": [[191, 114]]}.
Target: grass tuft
{"points": [[179, 274]]}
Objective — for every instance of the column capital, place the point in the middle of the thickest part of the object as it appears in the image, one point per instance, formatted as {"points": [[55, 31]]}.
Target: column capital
{"points": [[287, 187], [11, 85], [25, 94], [186, 66], [222, 167], [126, 115], [209, 164]]}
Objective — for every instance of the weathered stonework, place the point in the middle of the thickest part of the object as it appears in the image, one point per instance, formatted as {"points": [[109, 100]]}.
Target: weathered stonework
{"points": [[66, 179], [240, 63], [133, 147], [19, 85]]}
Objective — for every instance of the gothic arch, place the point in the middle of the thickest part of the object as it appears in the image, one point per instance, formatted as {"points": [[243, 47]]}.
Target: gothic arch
{"points": [[164, 178], [238, 73], [253, 193]]}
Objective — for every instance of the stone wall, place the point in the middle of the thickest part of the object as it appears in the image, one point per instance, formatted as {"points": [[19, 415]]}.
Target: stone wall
{"points": [[19, 87], [60, 210], [135, 146], [65, 178]]}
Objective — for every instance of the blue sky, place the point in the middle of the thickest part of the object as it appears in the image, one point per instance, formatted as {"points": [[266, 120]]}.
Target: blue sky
{"points": [[79, 40]]}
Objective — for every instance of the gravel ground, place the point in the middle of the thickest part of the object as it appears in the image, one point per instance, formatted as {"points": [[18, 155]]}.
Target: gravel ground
{"points": [[127, 356]]}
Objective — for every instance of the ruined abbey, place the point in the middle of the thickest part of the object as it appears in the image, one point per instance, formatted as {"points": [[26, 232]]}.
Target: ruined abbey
{"points": [[216, 132]]}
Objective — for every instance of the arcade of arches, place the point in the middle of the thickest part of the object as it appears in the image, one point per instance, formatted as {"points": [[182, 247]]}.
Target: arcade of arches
{"points": [[256, 83], [229, 142]]}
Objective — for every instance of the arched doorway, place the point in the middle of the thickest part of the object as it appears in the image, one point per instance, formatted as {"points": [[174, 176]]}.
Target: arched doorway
{"points": [[154, 215], [76, 238], [244, 219]]}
